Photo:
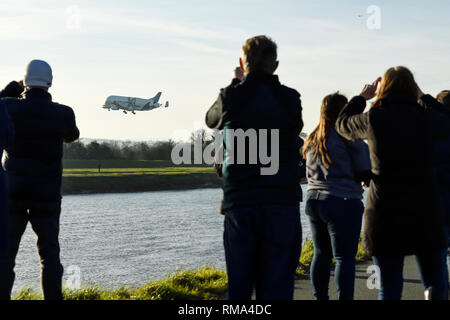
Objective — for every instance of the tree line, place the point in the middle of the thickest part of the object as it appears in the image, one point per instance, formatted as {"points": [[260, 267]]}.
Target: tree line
{"points": [[116, 150]]}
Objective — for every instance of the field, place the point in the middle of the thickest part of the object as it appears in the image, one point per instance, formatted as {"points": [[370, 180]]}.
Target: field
{"points": [[106, 176], [144, 164]]}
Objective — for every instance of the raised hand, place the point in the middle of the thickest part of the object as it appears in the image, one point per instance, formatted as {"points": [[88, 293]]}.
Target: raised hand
{"points": [[237, 73], [370, 90]]}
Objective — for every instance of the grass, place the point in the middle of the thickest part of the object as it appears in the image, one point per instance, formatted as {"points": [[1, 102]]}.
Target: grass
{"points": [[116, 172], [83, 176], [308, 254], [93, 164], [205, 283]]}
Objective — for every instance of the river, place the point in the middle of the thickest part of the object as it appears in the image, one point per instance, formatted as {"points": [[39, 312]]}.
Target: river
{"points": [[131, 238]]}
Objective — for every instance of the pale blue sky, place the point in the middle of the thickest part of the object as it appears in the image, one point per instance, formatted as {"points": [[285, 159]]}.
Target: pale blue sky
{"points": [[187, 50]]}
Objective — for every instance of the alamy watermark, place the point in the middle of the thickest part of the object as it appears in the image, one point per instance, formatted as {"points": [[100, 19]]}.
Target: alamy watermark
{"points": [[237, 147], [373, 281], [374, 20], [73, 21], [74, 277]]}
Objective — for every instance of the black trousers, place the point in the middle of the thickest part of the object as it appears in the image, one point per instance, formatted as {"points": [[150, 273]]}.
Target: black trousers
{"points": [[4, 214], [44, 221]]}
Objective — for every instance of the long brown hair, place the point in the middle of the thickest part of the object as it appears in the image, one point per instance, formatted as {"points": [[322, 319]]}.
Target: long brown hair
{"points": [[331, 107], [396, 80]]}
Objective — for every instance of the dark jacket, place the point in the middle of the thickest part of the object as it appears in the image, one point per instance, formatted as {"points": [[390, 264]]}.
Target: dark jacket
{"points": [[6, 138], [13, 89], [6, 129], [403, 214], [443, 174], [260, 102], [34, 161]]}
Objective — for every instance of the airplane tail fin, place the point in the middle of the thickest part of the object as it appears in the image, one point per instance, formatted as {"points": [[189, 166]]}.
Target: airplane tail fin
{"points": [[156, 98]]}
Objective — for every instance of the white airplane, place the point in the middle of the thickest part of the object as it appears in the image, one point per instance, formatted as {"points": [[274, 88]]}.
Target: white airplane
{"points": [[133, 104]]}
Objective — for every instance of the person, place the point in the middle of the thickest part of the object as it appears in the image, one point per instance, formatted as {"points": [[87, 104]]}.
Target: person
{"points": [[13, 89], [335, 168], [262, 230], [443, 173], [6, 136], [33, 163], [403, 215]]}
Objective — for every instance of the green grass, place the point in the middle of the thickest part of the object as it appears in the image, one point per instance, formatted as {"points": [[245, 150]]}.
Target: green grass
{"points": [[115, 168], [93, 164], [115, 172], [308, 254], [205, 283], [115, 176], [361, 255]]}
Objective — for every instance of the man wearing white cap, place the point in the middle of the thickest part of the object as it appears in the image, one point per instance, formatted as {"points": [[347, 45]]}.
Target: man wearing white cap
{"points": [[33, 164]]}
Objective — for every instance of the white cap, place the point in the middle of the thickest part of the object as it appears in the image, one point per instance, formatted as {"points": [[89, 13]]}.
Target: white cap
{"points": [[38, 74]]}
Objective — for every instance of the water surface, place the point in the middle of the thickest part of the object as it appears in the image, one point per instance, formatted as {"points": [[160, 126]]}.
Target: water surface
{"points": [[132, 238]]}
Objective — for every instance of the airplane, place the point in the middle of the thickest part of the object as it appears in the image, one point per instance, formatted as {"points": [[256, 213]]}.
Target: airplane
{"points": [[133, 104]]}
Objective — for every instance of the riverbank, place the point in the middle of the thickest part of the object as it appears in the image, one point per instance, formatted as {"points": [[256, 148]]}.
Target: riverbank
{"points": [[137, 183], [205, 283], [211, 284], [121, 176]]}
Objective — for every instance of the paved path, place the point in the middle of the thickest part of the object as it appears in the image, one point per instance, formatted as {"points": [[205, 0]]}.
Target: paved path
{"points": [[412, 288]]}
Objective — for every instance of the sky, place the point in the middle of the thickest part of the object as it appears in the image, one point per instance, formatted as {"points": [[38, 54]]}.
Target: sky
{"points": [[188, 50]]}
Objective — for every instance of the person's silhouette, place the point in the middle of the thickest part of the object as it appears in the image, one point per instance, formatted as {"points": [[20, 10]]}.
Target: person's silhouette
{"points": [[33, 163]]}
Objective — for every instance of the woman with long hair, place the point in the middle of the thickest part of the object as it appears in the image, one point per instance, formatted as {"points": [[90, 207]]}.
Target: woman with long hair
{"points": [[403, 215], [334, 200]]}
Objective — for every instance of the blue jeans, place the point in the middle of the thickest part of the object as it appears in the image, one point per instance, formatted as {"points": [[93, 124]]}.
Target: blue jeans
{"points": [[262, 249], [431, 268], [45, 224], [335, 228]]}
